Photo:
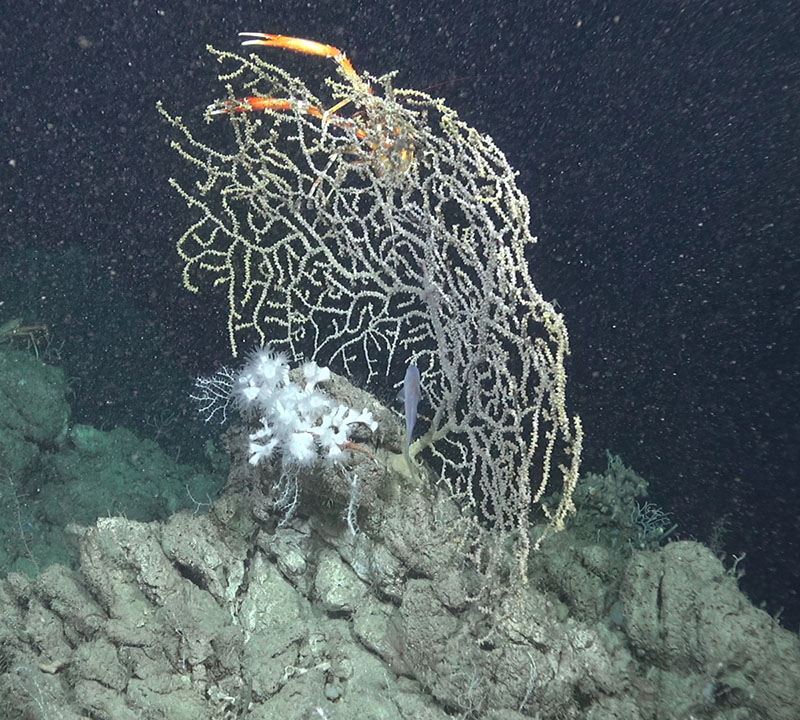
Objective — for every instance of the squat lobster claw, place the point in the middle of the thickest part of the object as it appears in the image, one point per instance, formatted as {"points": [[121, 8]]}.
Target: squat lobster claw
{"points": [[309, 47]]}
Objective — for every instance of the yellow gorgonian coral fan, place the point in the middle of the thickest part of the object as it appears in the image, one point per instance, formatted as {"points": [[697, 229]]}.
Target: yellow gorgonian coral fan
{"points": [[372, 228]]}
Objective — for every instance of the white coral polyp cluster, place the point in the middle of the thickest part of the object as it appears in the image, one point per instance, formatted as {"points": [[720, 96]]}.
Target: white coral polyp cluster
{"points": [[302, 425]]}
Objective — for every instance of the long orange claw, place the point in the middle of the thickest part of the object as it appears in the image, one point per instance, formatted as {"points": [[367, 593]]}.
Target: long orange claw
{"points": [[310, 47], [259, 103]]}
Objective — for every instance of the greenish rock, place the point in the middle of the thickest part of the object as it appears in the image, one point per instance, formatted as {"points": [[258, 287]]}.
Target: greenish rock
{"points": [[33, 411], [103, 473]]}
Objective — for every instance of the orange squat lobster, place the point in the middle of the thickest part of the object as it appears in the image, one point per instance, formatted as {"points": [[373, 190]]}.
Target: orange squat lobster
{"points": [[388, 146]]}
